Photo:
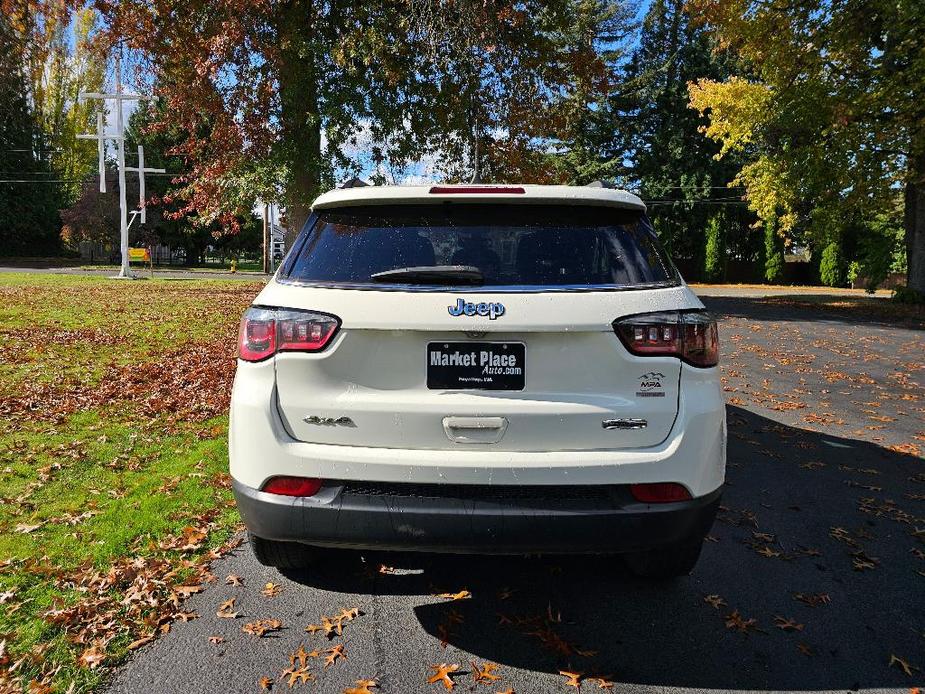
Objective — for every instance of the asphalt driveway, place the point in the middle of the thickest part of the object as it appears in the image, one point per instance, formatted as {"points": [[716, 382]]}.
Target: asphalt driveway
{"points": [[813, 577]]}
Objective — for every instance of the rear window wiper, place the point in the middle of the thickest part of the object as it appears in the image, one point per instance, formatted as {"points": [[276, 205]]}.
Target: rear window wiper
{"points": [[432, 274]]}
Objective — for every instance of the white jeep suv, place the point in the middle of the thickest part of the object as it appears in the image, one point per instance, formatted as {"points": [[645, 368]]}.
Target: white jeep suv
{"points": [[484, 369]]}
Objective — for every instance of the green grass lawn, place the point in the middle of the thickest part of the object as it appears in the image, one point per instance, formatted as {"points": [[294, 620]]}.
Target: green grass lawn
{"points": [[113, 484]]}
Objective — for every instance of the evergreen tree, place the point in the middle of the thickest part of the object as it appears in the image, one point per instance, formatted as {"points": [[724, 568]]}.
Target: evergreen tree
{"points": [[831, 266], [653, 129], [29, 191], [715, 262], [773, 253]]}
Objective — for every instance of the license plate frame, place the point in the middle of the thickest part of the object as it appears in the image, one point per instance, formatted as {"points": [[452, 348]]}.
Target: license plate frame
{"points": [[462, 366]]}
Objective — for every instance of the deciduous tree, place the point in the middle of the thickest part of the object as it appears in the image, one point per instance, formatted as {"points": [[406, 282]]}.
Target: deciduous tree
{"points": [[287, 87], [835, 116]]}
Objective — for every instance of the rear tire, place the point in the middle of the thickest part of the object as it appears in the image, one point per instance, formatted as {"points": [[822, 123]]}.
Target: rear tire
{"points": [[281, 555], [665, 563]]}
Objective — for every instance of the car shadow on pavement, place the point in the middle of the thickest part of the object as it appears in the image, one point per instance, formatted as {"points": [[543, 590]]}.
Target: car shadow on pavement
{"points": [[820, 541]]}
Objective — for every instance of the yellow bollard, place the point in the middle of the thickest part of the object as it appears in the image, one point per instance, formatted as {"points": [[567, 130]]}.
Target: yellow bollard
{"points": [[234, 265]]}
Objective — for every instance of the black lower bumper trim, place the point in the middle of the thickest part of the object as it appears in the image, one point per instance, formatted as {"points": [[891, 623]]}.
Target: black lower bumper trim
{"points": [[479, 522]]}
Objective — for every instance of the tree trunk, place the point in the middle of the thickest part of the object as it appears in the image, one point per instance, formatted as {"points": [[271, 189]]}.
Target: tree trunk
{"points": [[300, 119], [915, 224]]}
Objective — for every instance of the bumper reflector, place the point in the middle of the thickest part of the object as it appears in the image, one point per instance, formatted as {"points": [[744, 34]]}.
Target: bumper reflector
{"points": [[292, 486], [659, 492]]}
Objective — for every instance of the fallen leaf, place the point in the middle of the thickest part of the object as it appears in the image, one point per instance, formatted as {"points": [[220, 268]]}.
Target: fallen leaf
{"points": [[224, 610], [806, 650], [296, 674], [333, 654], [363, 687], [714, 601], [736, 622], [138, 643], [266, 684], [262, 627], [235, 580], [573, 679], [902, 664], [271, 590], [442, 674], [301, 656], [186, 591], [215, 640], [601, 682], [461, 595], [787, 624], [485, 673], [334, 626], [813, 600], [93, 656], [349, 615]]}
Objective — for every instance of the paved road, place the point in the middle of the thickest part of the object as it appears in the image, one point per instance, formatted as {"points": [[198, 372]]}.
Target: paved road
{"points": [[817, 505]]}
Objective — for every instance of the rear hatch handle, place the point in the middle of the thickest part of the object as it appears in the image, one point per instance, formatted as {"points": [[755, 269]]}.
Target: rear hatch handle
{"points": [[475, 429]]}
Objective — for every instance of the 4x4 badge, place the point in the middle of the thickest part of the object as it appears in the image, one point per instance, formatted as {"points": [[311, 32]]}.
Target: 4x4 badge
{"points": [[467, 308]]}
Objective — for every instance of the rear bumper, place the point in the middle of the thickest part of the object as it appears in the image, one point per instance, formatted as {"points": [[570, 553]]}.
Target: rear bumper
{"points": [[260, 446], [476, 520]]}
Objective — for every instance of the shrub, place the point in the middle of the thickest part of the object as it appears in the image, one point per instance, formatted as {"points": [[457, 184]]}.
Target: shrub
{"points": [[882, 250]]}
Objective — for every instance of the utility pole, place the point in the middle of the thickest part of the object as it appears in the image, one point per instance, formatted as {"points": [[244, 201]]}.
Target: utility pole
{"points": [[118, 96]]}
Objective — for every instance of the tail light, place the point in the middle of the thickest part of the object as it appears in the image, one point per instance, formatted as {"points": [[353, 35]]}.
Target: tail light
{"points": [[659, 492], [690, 336], [293, 486], [265, 332]]}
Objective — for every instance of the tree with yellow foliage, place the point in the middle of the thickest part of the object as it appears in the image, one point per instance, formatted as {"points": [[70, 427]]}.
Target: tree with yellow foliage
{"points": [[834, 121]]}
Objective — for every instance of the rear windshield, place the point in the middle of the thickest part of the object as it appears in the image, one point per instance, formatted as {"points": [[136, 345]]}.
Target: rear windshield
{"points": [[523, 246]]}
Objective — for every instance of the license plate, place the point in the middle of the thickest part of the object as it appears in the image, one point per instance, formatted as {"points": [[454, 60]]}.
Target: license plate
{"points": [[476, 365]]}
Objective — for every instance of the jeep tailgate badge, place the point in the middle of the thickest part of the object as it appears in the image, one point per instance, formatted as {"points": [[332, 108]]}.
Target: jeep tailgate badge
{"points": [[467, 308]]}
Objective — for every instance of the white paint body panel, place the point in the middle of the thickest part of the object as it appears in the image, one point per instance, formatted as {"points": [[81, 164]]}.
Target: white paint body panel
{"points": [[578, 374]]}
